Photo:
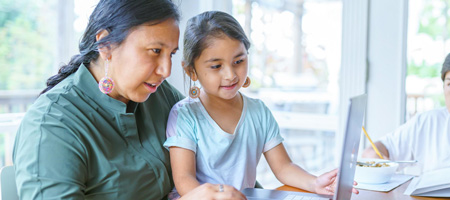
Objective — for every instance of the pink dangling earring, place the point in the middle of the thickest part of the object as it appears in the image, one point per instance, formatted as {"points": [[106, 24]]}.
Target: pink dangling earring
{"points": [[194, 92], [247, 82], [106, 84]]}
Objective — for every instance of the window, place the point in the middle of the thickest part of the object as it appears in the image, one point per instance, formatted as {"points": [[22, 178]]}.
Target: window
{"points": [[36, 37], [294, 66], [428, 45]]}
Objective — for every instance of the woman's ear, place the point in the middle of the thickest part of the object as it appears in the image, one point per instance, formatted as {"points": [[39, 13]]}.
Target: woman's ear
{"points": [[104, 50]]}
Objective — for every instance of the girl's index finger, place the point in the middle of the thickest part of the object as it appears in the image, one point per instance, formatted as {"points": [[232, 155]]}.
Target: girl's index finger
{"points": [[332, 174]]}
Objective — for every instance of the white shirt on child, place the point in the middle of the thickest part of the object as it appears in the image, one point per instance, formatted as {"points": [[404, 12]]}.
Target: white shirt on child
{"points": [[223, 158], [425, 138]]}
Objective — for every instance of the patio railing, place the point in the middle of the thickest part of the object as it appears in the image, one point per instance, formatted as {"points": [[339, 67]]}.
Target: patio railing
{"points": [[13, 105]]}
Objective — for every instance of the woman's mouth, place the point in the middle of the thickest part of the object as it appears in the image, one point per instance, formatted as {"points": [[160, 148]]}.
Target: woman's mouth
{"points": [[151, 87]]}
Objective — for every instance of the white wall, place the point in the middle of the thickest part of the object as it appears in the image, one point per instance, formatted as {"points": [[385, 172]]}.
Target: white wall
{"points": [[352, 80], [387, 66]]}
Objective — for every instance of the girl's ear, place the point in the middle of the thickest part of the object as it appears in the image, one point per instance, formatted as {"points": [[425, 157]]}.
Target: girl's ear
{"points": [[105, 50], [190, 71]]}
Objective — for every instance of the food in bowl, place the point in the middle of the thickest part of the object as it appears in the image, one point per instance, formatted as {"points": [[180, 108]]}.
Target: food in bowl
{"points": [[381, 173], [372, 164]]}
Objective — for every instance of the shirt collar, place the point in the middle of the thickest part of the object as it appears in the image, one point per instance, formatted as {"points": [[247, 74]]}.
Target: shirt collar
{"points": [[89, 86]]}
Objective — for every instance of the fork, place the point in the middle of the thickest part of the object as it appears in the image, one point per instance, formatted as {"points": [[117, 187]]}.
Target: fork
{"points": [[387, 161]]}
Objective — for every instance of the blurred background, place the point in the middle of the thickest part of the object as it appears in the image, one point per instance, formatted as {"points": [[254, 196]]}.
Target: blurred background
{"points": [[301, 62]]}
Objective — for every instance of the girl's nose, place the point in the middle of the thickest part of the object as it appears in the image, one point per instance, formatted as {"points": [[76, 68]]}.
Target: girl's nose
{"points": [[229, 74]]}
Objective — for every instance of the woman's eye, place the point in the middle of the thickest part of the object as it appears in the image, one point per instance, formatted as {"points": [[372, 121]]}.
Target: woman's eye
{"points": [[215, 66], [156, 50], [173, 53]]}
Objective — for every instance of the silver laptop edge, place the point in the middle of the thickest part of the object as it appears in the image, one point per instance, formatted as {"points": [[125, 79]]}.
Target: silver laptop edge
{"points": [[354, 121]]}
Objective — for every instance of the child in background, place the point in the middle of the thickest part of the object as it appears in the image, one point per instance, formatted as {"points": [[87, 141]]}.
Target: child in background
{"points": [[217, 135]]}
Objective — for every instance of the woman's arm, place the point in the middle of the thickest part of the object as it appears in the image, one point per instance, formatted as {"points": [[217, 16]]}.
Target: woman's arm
{"points": [[183, 169], [49, 161]]}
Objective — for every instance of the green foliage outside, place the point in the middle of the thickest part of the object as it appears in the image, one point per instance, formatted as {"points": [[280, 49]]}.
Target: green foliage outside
{"points": [[27, 29], [436, 26], [424, 70], [26, 50]]}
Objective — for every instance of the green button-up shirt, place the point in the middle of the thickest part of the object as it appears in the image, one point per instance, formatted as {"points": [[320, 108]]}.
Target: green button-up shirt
{"points": [[78, 143]]}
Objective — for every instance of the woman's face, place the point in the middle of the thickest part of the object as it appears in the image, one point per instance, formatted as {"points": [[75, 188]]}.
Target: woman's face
{"points": [[143, 60], [447, 90], [222, 67]]}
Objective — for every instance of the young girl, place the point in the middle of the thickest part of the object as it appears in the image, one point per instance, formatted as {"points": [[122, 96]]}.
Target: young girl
{"points": [[218, 134]]}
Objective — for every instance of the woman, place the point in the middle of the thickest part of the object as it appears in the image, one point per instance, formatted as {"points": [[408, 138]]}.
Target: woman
{"points": [[97, 130]]}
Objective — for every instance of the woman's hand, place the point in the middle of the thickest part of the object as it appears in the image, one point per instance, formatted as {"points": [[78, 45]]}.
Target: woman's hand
{"points": [[326, 183], [210, 191]]}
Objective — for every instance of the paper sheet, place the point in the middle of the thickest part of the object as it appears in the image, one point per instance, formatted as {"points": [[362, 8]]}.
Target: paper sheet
{"points": [[396, 180]]}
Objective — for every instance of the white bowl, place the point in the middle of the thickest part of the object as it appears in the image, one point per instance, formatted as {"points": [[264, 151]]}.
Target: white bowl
{"points": [[374, 175]]}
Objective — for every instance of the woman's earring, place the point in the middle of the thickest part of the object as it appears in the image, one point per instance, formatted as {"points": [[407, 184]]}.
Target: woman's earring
{"points": [[106, 84], [194, 92], [247, 82]]}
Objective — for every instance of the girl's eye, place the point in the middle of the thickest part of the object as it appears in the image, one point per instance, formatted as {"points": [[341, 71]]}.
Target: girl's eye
{"points": [[215, 67], [156, 50], [239, 61], [173, 53]]}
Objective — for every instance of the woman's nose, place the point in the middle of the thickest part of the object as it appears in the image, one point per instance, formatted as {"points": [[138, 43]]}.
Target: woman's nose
{"points": [[164, 68]]}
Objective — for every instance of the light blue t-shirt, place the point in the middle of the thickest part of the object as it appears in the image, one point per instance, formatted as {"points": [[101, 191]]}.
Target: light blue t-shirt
{"points": [[223, 158]]}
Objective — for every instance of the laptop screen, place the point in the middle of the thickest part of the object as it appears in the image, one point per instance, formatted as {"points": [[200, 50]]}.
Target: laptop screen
{"points": [[350, 146]]}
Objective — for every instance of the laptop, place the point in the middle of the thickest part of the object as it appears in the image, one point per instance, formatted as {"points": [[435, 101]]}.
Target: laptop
{"points": [[352, 134]]}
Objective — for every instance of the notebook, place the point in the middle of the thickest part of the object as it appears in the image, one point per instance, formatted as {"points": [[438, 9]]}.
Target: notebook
{"points": [[352, 134], [431, 184]]}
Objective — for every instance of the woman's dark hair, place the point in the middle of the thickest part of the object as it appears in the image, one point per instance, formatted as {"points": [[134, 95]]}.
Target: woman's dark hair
{"points": [[206, 26], [445, 67], [118, 17]]}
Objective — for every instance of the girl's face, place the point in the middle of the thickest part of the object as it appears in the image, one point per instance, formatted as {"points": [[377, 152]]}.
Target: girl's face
{"points": [[447, 90], [222, 67], [143, 60]]}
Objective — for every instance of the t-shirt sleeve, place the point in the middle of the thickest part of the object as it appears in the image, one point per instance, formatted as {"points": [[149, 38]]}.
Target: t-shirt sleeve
{"points": [[399, 143], [273, 137], [49, 161], [180, 130]]}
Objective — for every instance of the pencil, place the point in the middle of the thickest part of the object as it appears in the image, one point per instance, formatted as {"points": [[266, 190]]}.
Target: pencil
{"points": [[373, 145]]}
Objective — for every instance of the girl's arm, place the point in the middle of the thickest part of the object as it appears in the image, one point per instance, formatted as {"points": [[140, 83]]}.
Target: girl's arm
{"points": [[211, 191], [291, 174], [183, 169], [287, 172]]}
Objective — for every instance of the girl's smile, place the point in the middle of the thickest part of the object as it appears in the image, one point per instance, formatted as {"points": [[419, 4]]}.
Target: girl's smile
{"points": [[229, 87]]}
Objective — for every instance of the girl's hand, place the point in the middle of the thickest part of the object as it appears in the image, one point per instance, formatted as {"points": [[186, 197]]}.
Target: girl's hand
{"points": [[210, 191], [326, 183]]}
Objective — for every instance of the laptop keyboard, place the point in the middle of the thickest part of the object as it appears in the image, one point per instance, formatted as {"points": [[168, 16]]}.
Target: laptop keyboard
{"points": [[297, 197]]}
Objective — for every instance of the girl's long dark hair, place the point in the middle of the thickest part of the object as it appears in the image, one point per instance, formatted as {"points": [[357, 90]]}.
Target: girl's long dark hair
{"points": [[118, 17]]}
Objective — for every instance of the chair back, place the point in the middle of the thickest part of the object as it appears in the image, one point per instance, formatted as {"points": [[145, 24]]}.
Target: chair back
{"points": [[8, 190]]}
